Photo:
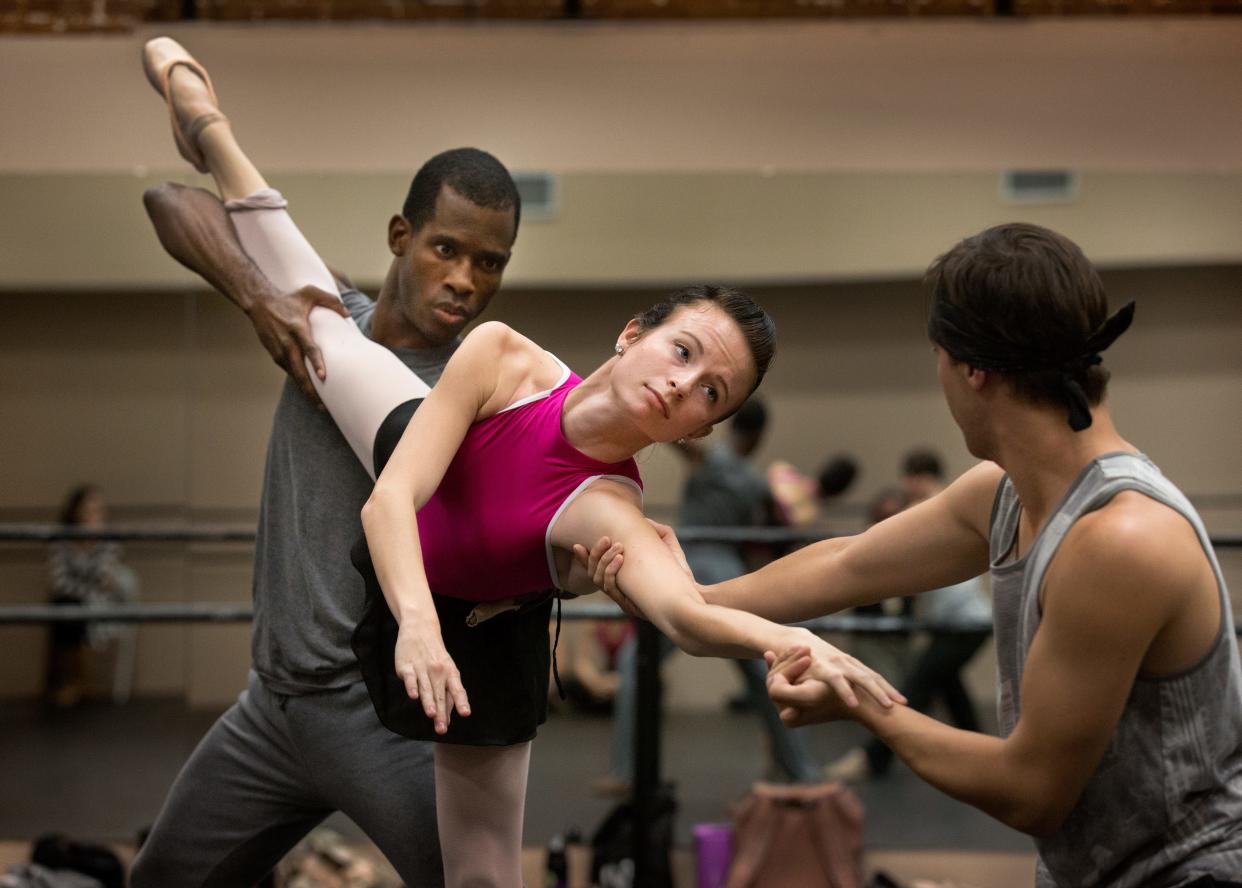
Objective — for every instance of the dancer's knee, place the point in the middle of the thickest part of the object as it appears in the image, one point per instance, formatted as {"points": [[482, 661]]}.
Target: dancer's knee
{"points": [[159, 198]]}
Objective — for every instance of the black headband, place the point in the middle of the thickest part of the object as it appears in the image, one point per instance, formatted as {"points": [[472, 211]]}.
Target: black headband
{"points": [[951, 327]]}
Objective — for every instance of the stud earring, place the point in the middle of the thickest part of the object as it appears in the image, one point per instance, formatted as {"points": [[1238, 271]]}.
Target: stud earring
{"points": [[620, 349], [682, 441]]}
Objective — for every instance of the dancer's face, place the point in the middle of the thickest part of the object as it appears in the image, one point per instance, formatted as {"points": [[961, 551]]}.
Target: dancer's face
{"points": [[678, 379], [449, 270]]}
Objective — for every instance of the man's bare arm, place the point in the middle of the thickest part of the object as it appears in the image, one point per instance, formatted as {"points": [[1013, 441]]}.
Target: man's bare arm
{"points": [[939, 542], [194, 228], [1110, 593]]}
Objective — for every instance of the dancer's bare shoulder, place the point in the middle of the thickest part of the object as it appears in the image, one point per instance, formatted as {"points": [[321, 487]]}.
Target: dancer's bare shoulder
{"points": [[519, 366], [1146, 568]]}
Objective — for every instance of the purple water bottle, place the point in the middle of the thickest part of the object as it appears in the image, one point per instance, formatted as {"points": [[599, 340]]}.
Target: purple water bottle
{"points": [[713, 851]]}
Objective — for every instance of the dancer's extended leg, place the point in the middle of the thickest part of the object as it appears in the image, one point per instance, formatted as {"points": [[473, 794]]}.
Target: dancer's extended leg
{"points": [[480, 805], [365, 381]]}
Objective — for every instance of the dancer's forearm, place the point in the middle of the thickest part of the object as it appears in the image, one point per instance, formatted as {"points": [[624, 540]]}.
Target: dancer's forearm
{"points": [[704, 630], [987, 772], [391, 530], [194, 229]]}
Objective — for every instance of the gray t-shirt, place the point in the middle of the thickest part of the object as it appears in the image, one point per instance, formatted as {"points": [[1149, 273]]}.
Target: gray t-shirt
{"points": [[725, 490], [307, 595]]}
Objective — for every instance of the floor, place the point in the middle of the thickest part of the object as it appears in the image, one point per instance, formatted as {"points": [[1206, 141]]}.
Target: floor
{"points": [[100, 772]]}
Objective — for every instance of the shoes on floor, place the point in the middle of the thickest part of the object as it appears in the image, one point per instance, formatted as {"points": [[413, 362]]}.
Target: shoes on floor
{"points": [[853, 767]]}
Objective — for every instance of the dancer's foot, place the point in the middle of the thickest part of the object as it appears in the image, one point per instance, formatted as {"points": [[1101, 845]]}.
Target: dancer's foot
{"points": [[184, 83]]}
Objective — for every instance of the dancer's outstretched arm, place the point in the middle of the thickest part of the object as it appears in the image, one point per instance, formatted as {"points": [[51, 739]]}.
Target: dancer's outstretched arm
{"points": [[939, 542], [195, 229], [652, 578]]}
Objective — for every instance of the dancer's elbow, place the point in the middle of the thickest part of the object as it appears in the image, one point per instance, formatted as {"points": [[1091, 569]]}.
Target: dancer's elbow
{"points": [[377, 509], [160, 200], [1038, 818]]}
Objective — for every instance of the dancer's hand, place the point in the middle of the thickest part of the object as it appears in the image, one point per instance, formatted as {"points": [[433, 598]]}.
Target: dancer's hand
{"points": [[799, 700], [606, 558], [601, 565], [817, 660], [668, 536], [429, 673], [282, 321]]}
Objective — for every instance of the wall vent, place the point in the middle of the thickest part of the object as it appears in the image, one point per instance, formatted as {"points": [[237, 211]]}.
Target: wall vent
{"points": [[540, 196], [1038, 186]]}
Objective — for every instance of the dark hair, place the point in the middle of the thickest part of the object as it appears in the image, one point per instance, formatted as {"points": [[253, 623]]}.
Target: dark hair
{"points": [[837, 475], [72, 505], [756, 325], [922, 462], [1023, 301], [475, 175], [751, 418]]}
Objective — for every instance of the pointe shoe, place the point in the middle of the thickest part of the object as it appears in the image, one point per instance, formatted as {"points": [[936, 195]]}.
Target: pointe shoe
{"points": [[159, 57]]}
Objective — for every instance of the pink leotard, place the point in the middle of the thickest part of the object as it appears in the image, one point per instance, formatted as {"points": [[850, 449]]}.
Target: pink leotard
{"points": [[485, 530]]}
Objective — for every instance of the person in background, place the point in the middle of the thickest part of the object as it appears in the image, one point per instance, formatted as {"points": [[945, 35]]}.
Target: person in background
{"points": [[590, 655], [922, 475], [887, 653], [799, 500], [723, 489], [936, 673], [82, 572], [836, 476]]}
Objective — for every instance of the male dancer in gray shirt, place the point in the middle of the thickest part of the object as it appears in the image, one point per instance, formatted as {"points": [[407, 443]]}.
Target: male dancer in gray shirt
{"points": [[303, 740]]}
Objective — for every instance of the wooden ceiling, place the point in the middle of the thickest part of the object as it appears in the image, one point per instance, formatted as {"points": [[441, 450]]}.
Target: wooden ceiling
{"points": [[63, 16]]}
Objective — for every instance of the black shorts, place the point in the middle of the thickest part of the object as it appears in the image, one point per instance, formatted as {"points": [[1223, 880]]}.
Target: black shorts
{"points": [[503, 661]]}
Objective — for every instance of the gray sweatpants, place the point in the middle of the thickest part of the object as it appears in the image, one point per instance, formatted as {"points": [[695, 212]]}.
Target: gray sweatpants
{"points": [[270, 769]]}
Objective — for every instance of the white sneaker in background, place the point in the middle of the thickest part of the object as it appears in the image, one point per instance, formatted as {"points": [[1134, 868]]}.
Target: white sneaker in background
{"points": [[853, 767]]}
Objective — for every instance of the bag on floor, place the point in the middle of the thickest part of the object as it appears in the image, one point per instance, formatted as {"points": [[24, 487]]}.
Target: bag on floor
{"points": [[58, 852], [797, 836], [612, 846]]}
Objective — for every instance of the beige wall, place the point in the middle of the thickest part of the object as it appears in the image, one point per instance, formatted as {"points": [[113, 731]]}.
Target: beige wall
{"points": [[1136, 94], [616, 229]]}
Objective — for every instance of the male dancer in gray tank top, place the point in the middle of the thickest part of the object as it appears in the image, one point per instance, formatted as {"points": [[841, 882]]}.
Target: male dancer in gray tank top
{"points": [[1121, 697]]}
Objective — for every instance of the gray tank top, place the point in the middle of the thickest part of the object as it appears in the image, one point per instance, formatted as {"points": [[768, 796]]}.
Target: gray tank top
{"points": [[1165, 804]]}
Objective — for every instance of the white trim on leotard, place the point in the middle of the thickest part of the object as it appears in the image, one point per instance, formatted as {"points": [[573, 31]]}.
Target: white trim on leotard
{"points": [[539, 396], [586, 482]]}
